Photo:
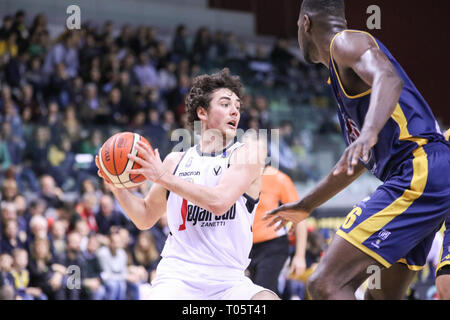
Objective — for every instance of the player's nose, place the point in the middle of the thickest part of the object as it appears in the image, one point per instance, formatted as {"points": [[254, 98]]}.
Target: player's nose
{"points": [[234, 110]]}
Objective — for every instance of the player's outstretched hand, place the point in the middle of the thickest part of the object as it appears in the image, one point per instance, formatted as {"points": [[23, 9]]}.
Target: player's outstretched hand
{"points": [[290, 212], [150, 161], [359, 149]]}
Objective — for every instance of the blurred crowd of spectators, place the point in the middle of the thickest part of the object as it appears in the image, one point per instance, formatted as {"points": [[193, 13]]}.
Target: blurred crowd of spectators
{"points": [[51, 248], [61, 98]]}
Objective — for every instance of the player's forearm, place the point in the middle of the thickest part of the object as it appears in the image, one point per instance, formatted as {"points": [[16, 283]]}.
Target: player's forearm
{"points": [[328, 188], [210, 198], [301, 235], [134, 207], [386, 90]]}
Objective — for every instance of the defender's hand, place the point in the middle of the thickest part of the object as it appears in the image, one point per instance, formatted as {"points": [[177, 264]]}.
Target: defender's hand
{"points": [[290, 212], [359, 149]]}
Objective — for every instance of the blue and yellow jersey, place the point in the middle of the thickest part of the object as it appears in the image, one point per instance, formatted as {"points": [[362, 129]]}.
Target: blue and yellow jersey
{"points": [[411, 125]]}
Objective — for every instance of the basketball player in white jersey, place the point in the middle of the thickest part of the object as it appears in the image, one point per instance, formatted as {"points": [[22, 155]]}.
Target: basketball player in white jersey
{"points": [[210, 196]]}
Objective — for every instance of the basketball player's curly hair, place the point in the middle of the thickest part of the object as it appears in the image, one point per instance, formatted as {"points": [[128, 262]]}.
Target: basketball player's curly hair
{"points": [[204, 86]]}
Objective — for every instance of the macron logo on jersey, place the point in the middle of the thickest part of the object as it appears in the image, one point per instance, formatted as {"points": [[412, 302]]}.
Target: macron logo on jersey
{"points": [[188, 174]]}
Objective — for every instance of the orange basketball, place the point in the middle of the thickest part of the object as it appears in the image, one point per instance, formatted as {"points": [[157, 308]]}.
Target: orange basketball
{"points": [[114, 161]]}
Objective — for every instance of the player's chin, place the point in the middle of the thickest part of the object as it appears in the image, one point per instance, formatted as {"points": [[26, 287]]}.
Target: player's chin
{"points": [[230, 132], [309, 59]]}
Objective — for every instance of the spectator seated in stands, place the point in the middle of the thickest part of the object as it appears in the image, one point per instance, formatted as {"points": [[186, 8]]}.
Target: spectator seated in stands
{"points": [[36, 153], [5, 31], [179, 43], [283, 151], [117, 107], [82, 228], [7, 288], [44, 274], [155, 132], [52, 194], [202, 45], [37, 207], [11, 240], [93, 108], [145, 72], [9, 213], [22, 278], [85, 210], [260, 66], [71, 126], [107, 216], [15, 68], [20, 202], [113, 261], [38, 228], [15, 145], [92, 281], [66, 52], [58, 236], [72, 261], [62, 164], [9, 190], [144, 258]]}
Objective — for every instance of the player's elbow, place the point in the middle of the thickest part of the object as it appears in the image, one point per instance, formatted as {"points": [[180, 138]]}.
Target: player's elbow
{"points": [[221, 206], [394, 80], [145, 223], [143, 226], [219, 201], [218, 209], [398, 83]]}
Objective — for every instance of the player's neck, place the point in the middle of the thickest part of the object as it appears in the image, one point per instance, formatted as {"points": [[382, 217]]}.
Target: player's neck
{"points": [[324, 39]]}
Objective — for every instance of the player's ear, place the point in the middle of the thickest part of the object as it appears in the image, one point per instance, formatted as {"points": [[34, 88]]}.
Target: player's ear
{"points": [[202, 113], [306, 23]]}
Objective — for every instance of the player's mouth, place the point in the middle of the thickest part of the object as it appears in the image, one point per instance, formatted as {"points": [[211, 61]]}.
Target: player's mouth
{"points": [[232, 123]]}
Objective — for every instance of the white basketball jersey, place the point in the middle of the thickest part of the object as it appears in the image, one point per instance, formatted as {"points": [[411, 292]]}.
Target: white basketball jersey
{"points": [[199, 236]]}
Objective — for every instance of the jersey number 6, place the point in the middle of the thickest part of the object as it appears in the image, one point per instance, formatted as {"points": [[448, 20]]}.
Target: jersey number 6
{"points": [[351, 217]]}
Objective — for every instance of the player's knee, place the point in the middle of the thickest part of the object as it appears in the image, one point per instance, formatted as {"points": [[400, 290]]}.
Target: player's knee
{"points": [[443, 287], [265, 295]]}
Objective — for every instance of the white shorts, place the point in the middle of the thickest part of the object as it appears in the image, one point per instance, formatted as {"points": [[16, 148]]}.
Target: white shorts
{"points": [[180, 280]]}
